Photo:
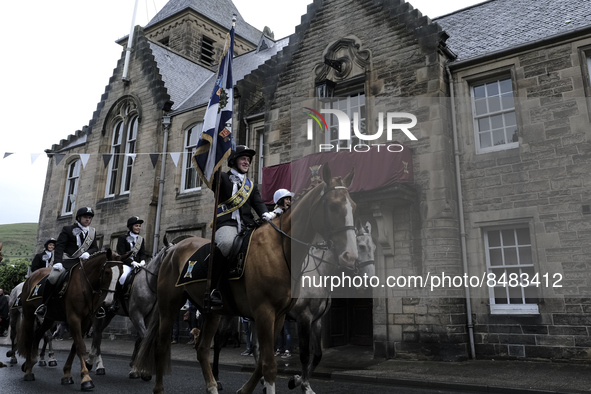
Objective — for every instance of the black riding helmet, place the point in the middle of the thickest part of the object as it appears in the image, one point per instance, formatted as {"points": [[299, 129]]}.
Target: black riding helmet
{"points": [[84, 211], [133, 220], [50, 241], [241, 150]]}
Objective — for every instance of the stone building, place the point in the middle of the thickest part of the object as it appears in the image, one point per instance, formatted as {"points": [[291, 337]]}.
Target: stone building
{"points": [[500, 165]]}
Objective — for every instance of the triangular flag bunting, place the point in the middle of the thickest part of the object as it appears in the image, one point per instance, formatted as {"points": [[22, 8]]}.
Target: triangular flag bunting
{"points": [[59, 157], [6, 154], [154, 158], [132, 155], [107, 159], [34, 157], [84, 157], [175, 157]]}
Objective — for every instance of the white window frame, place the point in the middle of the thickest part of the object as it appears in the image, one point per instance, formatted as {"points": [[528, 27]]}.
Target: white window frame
{"points": [[509, 309], [114, 163], [189, 148], [506, 112], [346, 105], [71, 190], [129, 149]]}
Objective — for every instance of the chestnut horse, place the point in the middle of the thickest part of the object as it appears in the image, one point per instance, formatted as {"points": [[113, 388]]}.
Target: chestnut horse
{"points": [[264, 292], [92, 283]]}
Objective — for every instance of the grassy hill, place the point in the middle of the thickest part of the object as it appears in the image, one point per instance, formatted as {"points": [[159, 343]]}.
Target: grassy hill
{"points": [[19, 240]]}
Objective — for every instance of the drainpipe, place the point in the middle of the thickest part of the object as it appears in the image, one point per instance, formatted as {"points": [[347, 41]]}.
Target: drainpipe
{"points": [[461, 212], [166, 121], [129, 43]]}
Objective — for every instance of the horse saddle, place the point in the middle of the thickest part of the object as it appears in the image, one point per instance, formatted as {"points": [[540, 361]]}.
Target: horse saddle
{"points": [[128, 284], [61, 286], [195, 269]]}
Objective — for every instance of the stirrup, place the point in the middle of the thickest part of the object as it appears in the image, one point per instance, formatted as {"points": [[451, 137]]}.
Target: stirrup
{"points": [[41, 310], [100, 313], [216, 300]]}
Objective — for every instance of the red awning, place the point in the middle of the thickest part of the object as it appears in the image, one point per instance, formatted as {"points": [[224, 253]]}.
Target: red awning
{"points": [[375, 169]]}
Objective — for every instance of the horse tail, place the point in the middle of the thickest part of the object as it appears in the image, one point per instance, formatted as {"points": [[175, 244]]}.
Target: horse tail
{"points": [[25, 335], [147, 360]]}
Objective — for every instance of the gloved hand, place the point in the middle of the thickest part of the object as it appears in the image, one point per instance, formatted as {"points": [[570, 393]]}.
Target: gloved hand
{"points": [[58, 266], [269, 216], [278, 211], [85, 256], [135, 264], [142, 263]]}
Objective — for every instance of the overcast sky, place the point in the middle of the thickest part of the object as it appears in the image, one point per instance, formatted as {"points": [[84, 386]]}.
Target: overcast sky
{"points": [[58, 57]]}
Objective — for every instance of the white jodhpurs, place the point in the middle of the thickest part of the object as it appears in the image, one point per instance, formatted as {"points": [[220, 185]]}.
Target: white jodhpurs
{"points": [[126, 270], [224, 238]]}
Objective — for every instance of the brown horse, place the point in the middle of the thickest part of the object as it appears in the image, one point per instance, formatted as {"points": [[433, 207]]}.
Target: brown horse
{"points": [[264, 292], [92, 282]]}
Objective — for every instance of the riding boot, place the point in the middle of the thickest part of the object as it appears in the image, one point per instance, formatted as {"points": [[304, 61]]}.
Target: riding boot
{"points": [[47, 292], [215, 296], [115, 305]]}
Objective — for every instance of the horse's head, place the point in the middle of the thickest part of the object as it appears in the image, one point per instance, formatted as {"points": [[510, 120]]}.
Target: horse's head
{"points": [[103, 270], [332, 217], [366, 250]]}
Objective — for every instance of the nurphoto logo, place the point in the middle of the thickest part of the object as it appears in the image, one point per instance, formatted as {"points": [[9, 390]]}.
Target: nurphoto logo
{"points": [[394, 121]]}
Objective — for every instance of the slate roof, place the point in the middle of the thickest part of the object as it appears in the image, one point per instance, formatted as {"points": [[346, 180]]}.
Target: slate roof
{"points": [[181, 76], [242, 66], [497, 25], [219, 11]]}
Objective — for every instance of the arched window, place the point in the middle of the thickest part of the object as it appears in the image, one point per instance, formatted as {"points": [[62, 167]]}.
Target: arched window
{"points": [[71, 190], [189, 180], [124, 131]]}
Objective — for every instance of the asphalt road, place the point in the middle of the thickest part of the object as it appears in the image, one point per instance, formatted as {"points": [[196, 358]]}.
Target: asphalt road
{"points": [[185, 378]]}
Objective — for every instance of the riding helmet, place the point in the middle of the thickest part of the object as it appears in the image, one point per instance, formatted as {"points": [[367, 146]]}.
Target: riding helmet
{"points": [[85, 211], [281, 193], [133, 220], [241, 150], [50, 241]]}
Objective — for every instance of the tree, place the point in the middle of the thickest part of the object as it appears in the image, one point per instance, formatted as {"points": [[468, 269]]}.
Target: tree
{"points": [[12, 274]]}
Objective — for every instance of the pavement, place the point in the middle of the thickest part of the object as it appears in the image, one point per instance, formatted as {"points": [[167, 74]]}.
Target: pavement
{"points": [[357, 364]]}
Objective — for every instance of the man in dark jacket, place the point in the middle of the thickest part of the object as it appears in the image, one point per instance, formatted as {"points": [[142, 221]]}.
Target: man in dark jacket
{"points": [[75, 243], [45, 258], [238, 196]]}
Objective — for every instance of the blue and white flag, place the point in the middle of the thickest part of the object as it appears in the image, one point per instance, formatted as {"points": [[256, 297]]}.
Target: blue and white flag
{"points": [[216, 142]]}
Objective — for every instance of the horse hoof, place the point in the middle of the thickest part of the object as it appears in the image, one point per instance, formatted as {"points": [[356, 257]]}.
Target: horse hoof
{"points": [[29, 377], [87, 386], [146, 377], [66, 381], [53, 363], [23, 368], [220, 386], [100, 371], [13, 360], [134, 375], [42, 363], [291, 384]]}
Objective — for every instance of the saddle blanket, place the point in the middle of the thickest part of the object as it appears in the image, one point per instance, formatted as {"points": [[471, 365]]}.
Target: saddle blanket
{"points": [[37, 291], [195, 269], [61, 285]]}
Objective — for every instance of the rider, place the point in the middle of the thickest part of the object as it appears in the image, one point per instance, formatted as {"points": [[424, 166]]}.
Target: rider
{"points": [[282, 199], [238, 195], [45, 258], [75, 243], [132, 240]]}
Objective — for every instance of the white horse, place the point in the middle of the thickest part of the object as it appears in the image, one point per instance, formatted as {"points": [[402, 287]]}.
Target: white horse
{"points": [[138, 308], [314, 302]]}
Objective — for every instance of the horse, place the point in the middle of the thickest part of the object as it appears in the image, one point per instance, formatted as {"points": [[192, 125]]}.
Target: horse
{"points": [[138, 308], [264, 292], [314, 302], [15, 315], [92, 283]]}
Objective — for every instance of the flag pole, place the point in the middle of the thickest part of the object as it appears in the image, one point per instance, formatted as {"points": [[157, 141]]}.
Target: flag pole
{"points": [[207, 296]]}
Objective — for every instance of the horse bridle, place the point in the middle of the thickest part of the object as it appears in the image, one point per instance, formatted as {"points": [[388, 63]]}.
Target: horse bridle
{"points": [[101, 275]]}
